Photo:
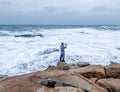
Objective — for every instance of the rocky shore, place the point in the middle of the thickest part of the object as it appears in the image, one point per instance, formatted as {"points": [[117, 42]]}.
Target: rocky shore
{"points": [[81, 77]]}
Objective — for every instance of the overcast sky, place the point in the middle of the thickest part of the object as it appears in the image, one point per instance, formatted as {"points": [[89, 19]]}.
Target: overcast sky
{"points": [[60, 12]]}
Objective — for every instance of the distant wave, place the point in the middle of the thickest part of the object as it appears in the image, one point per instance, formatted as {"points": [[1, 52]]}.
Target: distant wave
{"points": [[30, 35], [24, 34], [4, 33]]}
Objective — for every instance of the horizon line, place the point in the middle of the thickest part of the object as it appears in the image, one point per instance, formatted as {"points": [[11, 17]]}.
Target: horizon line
{"points": [[61, 24]]}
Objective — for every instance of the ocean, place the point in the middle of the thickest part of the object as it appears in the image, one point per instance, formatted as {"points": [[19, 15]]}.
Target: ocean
{"points": [[28, 48]]}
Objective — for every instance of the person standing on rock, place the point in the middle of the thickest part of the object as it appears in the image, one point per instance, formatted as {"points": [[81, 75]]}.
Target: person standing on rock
{"points": [[62, 49]]}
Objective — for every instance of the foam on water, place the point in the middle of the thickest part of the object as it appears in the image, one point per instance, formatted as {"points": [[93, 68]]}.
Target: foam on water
{"points": [[19, 55]]}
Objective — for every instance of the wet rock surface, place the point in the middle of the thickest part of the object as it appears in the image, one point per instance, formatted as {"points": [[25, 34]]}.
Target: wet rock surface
{"points": [[64, 78], [91, 71], [112, 70], [111, 84], [63, 65]]}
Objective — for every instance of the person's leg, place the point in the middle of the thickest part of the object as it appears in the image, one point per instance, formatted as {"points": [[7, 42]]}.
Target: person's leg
{"points": [[63, 57], [60, 57]]}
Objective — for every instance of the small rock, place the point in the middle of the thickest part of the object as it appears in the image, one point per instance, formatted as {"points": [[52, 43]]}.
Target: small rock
{"points": [[63, 66], [51, 67], [83, 64]]}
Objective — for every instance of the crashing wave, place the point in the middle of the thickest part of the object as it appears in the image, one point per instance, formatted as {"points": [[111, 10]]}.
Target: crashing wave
{"points": [[30, 35], [48, 51]]}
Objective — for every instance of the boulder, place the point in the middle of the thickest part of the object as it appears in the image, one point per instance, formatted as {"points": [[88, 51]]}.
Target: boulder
{"points": [[63, 65], [21, 83], [91, 71], [82, 64], [112, 70], [64, 78], [111, 84]]}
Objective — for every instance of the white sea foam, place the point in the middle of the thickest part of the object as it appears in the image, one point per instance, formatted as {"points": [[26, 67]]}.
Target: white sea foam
{"points": [[20, 55]]}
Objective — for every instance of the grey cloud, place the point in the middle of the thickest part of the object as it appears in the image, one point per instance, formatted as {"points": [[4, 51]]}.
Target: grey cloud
{"points": [[51, 9], [4, 2], [104, 9], [100, 8]]}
